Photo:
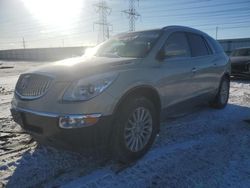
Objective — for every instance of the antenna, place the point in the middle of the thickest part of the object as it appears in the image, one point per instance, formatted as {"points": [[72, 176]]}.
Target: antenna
{"points": [[103, 10], [132, 14]]}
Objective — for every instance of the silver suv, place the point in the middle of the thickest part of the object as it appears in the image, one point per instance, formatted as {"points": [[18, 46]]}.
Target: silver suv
{"points": [[116, 94]]}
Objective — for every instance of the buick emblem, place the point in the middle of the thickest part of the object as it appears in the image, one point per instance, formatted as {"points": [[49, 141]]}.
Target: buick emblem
{"points": [[25, 81]]}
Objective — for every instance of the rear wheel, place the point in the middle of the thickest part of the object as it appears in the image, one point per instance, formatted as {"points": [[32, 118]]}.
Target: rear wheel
{"points": [[136, 129], [222, 96]]}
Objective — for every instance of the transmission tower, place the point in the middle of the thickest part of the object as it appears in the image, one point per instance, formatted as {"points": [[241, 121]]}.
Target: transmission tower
{"points": [[104, 27], [132, 14]]}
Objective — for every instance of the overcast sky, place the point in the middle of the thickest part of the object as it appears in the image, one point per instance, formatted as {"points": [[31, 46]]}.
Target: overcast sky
{"points": [[57, 23]]}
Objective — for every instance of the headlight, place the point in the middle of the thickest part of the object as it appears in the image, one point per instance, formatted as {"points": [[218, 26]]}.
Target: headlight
{"points": [[88, 88]]}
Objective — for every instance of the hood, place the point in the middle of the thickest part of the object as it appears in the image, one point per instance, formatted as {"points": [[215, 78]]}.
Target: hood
{"points": [[80, 67], [239, 59]]}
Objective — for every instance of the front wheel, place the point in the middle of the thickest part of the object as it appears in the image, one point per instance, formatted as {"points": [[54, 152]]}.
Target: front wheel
{"points": [[136, 129], [222, 96]]}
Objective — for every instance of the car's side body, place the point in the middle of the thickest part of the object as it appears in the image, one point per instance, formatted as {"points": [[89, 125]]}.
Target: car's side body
{"points": [[178, 79], [167, 82]]}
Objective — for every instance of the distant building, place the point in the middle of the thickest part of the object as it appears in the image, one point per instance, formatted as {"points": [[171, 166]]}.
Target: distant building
{"points": [[230, 44]]}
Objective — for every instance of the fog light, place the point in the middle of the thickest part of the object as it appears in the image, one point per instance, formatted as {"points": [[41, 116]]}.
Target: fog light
{"points": [[77, 121]]}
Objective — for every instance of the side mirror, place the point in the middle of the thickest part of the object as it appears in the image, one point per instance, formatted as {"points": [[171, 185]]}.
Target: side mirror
{"points": [[161, 55]]}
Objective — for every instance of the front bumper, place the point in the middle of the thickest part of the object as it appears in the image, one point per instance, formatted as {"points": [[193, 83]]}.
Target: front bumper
{"points": [[45, 129]]}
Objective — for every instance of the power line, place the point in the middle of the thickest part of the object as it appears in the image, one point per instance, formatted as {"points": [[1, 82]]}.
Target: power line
{"points": [[79, 34], [204, 29], [232, 15], [132, 14], [104, 27], [176, 16], [215, 18], [219, 12], [156, 8], [168, 15]]}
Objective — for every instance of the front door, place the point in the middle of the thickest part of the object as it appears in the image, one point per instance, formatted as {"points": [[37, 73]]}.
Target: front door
{"points": [[175, 70]]}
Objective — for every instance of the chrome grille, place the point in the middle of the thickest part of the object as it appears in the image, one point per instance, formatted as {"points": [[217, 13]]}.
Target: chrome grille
{"points": [[31, 86]]}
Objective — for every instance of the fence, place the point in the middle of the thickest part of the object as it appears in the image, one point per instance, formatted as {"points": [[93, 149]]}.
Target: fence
{"points": [[231, 44], [41, 54]]}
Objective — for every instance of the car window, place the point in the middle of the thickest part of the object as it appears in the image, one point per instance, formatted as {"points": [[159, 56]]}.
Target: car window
{"points": [[241, 52], [177, 46], [197, 44], [210, 51], [134, 45], [216, 47]]}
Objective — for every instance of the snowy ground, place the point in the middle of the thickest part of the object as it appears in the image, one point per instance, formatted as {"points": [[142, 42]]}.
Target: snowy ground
{"points": [[206, 148]]}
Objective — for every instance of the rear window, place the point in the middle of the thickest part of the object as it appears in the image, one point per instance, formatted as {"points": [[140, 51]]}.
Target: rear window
{"points": [[217, 48], [198, 45]]}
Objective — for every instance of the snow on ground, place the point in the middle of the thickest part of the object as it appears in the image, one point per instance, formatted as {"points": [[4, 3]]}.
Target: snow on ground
{"points": [[206, 148]]}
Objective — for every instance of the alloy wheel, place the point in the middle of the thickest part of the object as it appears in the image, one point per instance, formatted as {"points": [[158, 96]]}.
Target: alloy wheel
{"points": [[138, 129]]}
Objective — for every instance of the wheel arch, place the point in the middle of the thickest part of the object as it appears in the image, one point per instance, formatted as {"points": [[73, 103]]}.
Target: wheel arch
{"points": [[146, 91]]}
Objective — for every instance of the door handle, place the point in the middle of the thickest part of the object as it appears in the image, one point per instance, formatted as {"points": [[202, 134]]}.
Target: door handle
{"points": [[194, 70]]}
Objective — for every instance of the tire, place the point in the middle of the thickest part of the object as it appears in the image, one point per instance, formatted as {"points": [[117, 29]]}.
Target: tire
{"points": [[130, 141], [222, 96]]}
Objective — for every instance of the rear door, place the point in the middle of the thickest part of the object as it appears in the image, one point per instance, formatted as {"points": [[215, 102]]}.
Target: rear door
{"points": [[203, 62], [175, 69]]}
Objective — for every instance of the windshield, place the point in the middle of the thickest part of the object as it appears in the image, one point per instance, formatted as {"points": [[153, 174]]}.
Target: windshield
{"points": [[135, 45], [241, 52]]}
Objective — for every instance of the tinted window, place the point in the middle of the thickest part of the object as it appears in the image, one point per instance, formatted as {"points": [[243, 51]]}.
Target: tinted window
{"points": [[177, 46], [197, 44], [217, 48], [210, 51]]}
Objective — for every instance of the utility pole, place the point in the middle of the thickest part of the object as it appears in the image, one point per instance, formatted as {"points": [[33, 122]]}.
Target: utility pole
{"points": [[23, 43], [104, 27], [132, 14], [216, 32]]}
